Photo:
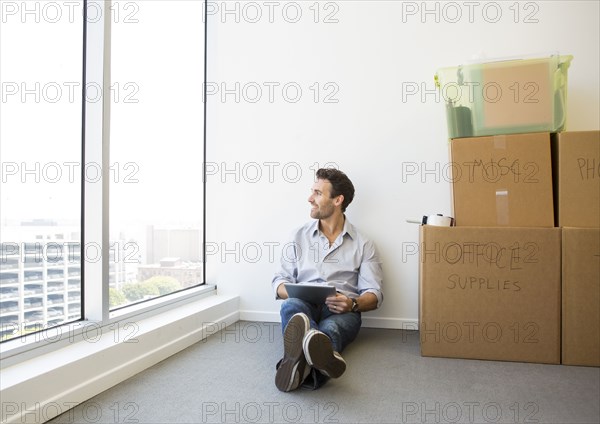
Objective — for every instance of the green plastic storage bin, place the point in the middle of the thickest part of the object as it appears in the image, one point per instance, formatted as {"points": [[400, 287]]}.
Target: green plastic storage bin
{"points": [[505, 97]]}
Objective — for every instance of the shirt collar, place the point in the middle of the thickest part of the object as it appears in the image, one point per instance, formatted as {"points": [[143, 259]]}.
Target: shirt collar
{"points": [[347, 229]]}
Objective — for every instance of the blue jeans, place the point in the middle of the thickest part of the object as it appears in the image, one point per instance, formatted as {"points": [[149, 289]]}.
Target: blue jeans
{"points": [[342, 329]]}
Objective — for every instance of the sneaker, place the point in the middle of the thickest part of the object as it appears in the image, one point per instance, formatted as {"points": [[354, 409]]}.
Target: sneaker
{"points": [[293, 369], [319, 354]]}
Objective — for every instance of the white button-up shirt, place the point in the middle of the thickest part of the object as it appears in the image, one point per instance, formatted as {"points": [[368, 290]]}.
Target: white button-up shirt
{"points": [[351, 264]]}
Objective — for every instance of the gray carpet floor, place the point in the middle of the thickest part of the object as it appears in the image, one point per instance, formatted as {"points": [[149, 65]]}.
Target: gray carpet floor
{"points": [[229, 378]]}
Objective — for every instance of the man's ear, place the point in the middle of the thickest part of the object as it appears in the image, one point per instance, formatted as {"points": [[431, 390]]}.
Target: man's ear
{"points": [[339, 200]]}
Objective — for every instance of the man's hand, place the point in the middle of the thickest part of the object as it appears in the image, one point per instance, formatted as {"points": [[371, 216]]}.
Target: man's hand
{"points": [[339, 304]]}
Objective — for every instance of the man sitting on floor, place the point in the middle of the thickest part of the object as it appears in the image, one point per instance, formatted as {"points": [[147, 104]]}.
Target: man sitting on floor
{"points": [[331, 251]]}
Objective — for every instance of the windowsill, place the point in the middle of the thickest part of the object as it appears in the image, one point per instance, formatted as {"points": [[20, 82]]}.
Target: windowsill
{"points": [[76, 370], [35, 344]]}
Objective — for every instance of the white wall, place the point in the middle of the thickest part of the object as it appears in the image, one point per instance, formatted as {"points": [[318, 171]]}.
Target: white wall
{"points": [[374, 50]]}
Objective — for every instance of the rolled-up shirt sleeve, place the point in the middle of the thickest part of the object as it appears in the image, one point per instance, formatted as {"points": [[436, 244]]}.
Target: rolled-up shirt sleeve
{"points": [[370, 274], [288, 269]]}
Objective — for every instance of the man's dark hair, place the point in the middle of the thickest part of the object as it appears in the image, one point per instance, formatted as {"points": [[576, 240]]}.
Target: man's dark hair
{"points": [[340, 184]]}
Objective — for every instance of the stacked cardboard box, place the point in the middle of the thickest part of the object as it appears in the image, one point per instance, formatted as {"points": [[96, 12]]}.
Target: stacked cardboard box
{"points": [[492, 288], [502, 181], [577, 185], [576, 160], [490, 293]]}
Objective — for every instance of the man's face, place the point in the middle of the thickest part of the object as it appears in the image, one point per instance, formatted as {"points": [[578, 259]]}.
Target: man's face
{"points": [[323, 206]]}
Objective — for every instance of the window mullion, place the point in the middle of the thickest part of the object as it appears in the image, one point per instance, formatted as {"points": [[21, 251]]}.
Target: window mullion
{"points": [[96, 246]]}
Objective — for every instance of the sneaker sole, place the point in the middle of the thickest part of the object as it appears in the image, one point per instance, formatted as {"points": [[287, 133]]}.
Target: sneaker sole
{"points": [[319, 354], [292, 368]]}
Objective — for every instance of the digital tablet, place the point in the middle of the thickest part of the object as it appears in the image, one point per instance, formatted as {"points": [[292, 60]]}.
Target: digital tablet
{"points": [[313, 293]]}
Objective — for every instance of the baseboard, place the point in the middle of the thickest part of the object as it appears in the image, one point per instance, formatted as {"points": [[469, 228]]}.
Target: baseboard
{"points": [[109, 360], [368, 321], [390, 323], [260, 316]]}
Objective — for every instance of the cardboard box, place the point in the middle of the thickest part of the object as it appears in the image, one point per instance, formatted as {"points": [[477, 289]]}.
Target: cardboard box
{"points": [[581, 296], [505, 96], [576, 160], [490, 293], [503, 180]]}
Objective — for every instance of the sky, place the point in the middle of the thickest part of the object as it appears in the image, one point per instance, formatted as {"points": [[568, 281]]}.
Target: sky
{"points": [[155, 150]]}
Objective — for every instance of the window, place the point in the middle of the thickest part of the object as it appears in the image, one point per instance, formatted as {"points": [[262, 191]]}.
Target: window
{"points": [[156, 153], [100, 153], [41, 77]]}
